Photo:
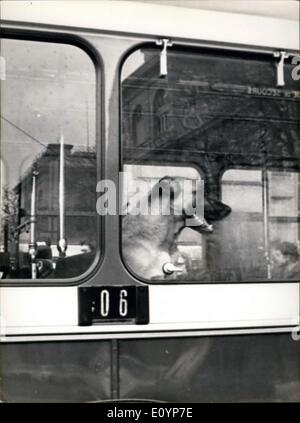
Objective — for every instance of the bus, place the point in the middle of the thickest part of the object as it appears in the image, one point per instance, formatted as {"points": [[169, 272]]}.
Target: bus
{"points": [[149, 224]]}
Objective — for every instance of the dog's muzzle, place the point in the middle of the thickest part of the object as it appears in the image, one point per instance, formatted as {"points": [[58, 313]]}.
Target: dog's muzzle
{"points": [[198, 223]]}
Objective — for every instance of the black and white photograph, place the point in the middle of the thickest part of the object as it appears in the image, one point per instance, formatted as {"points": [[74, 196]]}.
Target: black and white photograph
{"points": [[149, 204]]}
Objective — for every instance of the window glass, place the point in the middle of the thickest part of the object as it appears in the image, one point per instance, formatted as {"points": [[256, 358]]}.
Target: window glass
{"points": [[264, 219], [48, 161], [223, 114], [184, 250], [283, 225]]}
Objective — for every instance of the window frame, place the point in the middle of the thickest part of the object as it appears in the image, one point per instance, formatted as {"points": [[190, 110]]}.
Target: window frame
{"points": [[222, 49], [78, 41]]}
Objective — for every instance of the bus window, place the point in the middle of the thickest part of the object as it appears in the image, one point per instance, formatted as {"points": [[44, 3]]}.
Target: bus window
{"points": [[220, 112], [182, 251], [264, 219], [48, 216], [283, 225]]}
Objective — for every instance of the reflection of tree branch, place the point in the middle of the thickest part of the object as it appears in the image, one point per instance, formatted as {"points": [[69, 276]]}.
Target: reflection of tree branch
{"points": [[10, 211]]}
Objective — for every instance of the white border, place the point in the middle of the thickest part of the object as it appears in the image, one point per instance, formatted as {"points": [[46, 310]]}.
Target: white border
{"points": [[162, 21], [174, 309]]}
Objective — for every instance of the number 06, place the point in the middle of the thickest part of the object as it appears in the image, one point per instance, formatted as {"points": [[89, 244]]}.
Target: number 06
{"points": [[104, 303], [123, 305]]}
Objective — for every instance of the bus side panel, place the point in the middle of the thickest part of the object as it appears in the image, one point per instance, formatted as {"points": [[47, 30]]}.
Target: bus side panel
{"points": [[212, 369], [207, 369], [55, 371]]}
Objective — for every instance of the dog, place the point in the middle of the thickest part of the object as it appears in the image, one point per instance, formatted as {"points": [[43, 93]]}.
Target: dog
{"points": [[149, 241]]}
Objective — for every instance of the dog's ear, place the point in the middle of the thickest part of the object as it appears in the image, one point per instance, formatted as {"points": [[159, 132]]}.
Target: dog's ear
{"points": [[164, 192], [215, 210], [168, 183]]}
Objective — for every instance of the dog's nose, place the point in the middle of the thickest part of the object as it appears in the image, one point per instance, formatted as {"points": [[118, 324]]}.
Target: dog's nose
{"points": [[169, 268], [199, 224]]}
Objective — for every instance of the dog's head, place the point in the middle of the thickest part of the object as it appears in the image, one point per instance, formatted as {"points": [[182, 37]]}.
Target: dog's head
{"points": [[176, 196]]}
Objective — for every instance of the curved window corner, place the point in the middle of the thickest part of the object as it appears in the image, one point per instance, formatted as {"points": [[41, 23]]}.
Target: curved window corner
{"points": [[48, 161]]}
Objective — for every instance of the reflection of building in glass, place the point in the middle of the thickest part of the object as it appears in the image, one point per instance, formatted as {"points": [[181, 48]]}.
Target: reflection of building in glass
{"points": [[212, 113], [49, 91], [80, 180]]}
